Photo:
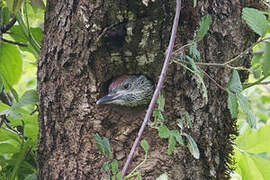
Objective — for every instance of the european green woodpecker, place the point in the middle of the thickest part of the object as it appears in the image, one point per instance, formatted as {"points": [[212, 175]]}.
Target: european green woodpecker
{"points": [[129, 90]]}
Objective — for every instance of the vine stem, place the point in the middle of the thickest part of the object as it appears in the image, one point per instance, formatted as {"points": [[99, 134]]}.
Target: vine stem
{"points": [[259, 81], [246, 51], [225, 64], [158, 88]]}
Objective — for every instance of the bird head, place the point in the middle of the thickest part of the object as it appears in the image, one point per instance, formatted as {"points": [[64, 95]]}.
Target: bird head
{"points": [[129, 90]]}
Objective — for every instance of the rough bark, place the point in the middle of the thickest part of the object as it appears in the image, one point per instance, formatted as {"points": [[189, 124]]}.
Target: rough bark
{"points": [[87, 43]]}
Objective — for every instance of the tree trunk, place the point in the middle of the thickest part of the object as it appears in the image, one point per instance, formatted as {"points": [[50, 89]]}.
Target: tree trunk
{"points": [[87, 43]]}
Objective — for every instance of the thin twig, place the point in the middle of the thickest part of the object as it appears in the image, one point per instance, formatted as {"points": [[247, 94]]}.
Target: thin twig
{"points": [[213, 80], [198, 63], [179, 62], [175, 60], [226, 64], [14, 42], [11, 128], [35, 110], [158, 88], [182, 48], [246, 51], [1, 120], [5, 28]]}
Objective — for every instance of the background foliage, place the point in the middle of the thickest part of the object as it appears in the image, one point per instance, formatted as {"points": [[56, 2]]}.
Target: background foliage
{"points": [[18, 66], [20, 45]]}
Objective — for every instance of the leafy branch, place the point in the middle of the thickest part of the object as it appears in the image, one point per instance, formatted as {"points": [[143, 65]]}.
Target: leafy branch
{"points": [[175, 136], [258, 23]]}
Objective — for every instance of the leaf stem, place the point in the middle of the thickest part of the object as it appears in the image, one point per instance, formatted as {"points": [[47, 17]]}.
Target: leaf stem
{"points": [[256, 82], [133, 172]]}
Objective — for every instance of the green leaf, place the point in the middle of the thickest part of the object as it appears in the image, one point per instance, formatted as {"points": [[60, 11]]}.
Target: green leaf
{"points": [[204, 27], [266, 59], [256, 59], [114, 166], [5, 15], [15, 114], [20, 159], [12, 113], [3, 107], [14, 5], [5, 112], [103, 145], [106, 167], [180, 123], [232, 104], [6, 148], [234, 84], [178, 137], [256, 20], [29, 97], [161, 102], [163, 131], [194, 52], [163, 176], [31, 177], [255, 142], [37, 33], [265, 99], [199, 80], [253, 167], [11, 63], [14, 92], [145, 146], [172, 144], [30, 124], [256, 65], [1, 84], [139, 176], [263, 165], [99, 144], [118, 176], [158, 115], [192, 146], [18, 35], [188, 121], [251, 120], [10, 88], [27, 33], [107, 147], [9, 135]]}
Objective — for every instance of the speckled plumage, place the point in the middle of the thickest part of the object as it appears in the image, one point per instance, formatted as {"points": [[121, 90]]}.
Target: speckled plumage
{"points": [[129, 90]]}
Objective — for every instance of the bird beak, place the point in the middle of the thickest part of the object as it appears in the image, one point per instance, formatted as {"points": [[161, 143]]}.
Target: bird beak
{"points": [[108, 98]]}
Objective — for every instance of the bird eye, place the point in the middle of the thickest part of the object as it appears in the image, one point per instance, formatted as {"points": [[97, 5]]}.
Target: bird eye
{"points": [[127, 86]]}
